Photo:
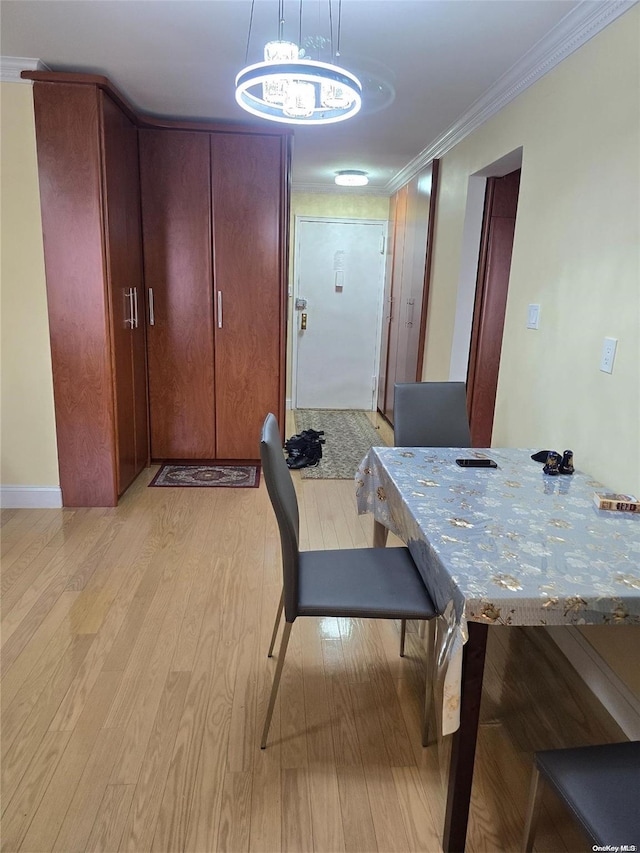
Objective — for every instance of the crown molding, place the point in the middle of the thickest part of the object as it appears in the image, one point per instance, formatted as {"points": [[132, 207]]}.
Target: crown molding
{"points": [[299, 187], [12, 66], [581, 24]]}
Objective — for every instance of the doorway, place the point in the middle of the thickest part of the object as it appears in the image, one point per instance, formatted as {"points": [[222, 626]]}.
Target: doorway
{"points": [[339, 279]]}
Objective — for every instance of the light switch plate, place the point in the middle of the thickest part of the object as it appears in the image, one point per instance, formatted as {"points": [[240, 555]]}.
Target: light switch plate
{"points": [[533, 317], [608, 354]]}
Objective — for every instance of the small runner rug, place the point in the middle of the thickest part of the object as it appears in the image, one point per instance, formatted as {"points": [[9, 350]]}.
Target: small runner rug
{"points": [[207, 476], [348, 437]]}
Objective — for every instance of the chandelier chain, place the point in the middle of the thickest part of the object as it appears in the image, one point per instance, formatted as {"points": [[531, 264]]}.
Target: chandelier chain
{"points": [[300, 27], [246, 54], [331, 29], [280, 19]]}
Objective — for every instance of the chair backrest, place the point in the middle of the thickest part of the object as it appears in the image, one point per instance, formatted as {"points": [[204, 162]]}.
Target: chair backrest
{"points": [[431, 414], [285, 506]]}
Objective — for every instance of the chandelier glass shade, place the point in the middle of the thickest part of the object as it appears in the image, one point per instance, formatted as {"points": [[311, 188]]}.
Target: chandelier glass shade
{"points": [[273, 90]]}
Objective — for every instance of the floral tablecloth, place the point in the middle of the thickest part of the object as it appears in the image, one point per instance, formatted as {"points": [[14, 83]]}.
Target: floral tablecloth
{"points": [[509, 546]]}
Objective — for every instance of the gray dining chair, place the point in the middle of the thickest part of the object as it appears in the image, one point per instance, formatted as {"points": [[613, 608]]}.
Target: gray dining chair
{"points": [[357, 583], [599, 785], [430, 414]]}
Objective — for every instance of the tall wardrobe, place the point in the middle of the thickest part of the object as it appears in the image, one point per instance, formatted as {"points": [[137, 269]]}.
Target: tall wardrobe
{"points": [[165, 256], [412, 217]]}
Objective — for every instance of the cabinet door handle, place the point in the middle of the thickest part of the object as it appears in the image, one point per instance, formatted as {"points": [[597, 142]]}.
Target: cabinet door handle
{"points": [[129, 295], [152, 316], [135, 307], [219, 309], [410, 304]]}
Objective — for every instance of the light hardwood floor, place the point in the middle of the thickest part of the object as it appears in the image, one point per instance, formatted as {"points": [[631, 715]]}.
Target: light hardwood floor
{"points": [[135, 681]]}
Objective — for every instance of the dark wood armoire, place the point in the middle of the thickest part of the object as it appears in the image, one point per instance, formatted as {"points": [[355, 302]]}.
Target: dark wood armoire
{"points": [[166, 265]]}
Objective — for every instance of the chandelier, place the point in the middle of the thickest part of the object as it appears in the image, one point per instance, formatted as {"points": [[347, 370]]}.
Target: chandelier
{"points": [[287, 87]]}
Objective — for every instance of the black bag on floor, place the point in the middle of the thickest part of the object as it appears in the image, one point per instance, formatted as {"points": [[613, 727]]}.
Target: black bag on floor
{"points": [[304, 449]]}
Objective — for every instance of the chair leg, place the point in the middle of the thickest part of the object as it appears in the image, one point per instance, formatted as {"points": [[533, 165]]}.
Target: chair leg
{"points": [[422, 629], [533, 811], [403, 634], [276, 682], [276, 625], [430, 673]]}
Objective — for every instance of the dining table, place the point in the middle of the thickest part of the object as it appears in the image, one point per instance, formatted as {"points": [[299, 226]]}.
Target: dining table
{"points": [[504, 545]]}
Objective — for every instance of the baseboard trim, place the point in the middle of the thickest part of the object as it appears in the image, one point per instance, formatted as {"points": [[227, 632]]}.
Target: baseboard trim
{"points": [[30, 497], [608, 688]]}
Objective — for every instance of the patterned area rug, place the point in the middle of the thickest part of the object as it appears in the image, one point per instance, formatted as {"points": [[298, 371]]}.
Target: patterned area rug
{"points": [[348, 437], [200, 475]]}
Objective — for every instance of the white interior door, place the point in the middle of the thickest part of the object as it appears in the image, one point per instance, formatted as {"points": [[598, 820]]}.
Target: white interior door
{"points": [[340, 278]]}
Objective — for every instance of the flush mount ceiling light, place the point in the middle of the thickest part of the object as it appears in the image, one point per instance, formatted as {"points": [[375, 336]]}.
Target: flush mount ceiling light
{"points": [[290, 88], [351, 178]]}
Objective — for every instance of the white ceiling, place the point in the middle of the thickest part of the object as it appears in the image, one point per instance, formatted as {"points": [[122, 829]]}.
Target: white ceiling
{"points": [[423, 63]]}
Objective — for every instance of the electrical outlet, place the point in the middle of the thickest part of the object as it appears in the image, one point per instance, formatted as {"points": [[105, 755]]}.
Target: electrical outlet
{"points": [[533, 316], [608, 354]]}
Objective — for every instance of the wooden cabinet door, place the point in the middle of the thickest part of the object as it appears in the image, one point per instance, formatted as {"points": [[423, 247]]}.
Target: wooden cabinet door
{"points": [[413, 278], [68, 138], [247, 191], [140, 382], [396, 306], [124, 270], [388, 305], [176, 217], [413, 208]]}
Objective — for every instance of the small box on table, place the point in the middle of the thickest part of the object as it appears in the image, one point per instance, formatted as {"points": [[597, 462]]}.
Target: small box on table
{"points": [[611, 500]]}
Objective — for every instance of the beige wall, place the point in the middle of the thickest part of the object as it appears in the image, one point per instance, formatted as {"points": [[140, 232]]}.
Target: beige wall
{"points": [[339, 205], [575, 253], [29, 455]]}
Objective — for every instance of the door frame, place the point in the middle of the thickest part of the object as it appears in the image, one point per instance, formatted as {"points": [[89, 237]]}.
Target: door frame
{"points": [[336, 220], [470, 259]]}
